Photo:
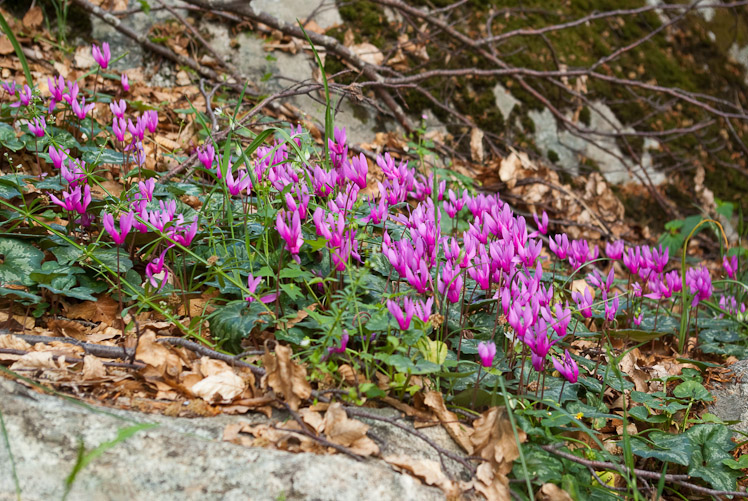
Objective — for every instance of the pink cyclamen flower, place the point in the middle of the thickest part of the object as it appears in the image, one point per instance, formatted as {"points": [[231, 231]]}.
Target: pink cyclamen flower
{"points": [[541, 223], [56, 87], [37, 127], [125, 82], [567, 368], [356, 170], [101, 56], [252, 283], [188, 232], [150, 117], [146, 189], [611, 309], [486, 352], [583, 301], [118, 108], [240, 183], [137, 129], [638, 319], [206, 155], [81, 110], [125, 224], [343, 344], [57, 156], [155, 267], [74, 200], [699, 283], [24, 97], [730, 265], [423, 309], [403, 318], [614, 250], [10, 87], [289, 228], [119, 127], [559, 245]]}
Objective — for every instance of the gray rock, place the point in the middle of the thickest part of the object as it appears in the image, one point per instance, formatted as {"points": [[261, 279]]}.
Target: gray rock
{"points": [[599, 146], [180, 459], [731, 401], [505, 101], [324, 13]]}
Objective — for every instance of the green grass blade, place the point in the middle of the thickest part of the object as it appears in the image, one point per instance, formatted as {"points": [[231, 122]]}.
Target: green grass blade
{"points": [[85, 458], [10, 455], [18, 49], [329, 122]]}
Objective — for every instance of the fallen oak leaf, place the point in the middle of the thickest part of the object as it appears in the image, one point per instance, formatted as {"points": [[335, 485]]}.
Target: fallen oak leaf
{"points": [[493, 439], [286, 377], [351, 433], [427, 470], [38, 360], [223, 386], [93, 368], [459, 432], [552, 492], [158, 356]]}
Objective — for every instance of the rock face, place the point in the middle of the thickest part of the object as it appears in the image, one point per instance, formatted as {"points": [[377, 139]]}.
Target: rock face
{"points": [[732, 401], [178, 458]]}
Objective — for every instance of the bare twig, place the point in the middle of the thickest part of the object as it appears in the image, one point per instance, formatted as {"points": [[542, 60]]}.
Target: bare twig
{"points": [[75, 360], [207, 352], [644, 474], [355, 411]]}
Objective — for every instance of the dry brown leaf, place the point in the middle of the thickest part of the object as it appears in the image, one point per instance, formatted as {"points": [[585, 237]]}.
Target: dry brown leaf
{"points": [[33, 18], [286, 377], [11, 342], [93, 368], [67, 328], [17, 321], [427, 470], [220, 382], [5, 46], [102, 310], [459, 432], [38, 360], [83, 58], [300, 315], [368, 53], [579, 286], [552, 492], [409, 410], [224, 386], [493, 439], [313, 419], [494, 486], [162, 359], [348, 374], [476, 145], [628, 366], [347, 432]]}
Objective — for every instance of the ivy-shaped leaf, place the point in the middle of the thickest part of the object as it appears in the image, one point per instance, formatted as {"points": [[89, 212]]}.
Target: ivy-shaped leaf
{"points": [[663, 446], [692, 390], [234, 322], [18, 260], [711, 446]]}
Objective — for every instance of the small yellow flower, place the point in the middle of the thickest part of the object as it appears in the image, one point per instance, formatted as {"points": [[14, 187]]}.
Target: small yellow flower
{"points": [[579, 415]]}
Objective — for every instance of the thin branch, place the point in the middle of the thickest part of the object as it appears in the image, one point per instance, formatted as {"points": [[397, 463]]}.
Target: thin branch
{"points": [[207, 352], [644, 474]]}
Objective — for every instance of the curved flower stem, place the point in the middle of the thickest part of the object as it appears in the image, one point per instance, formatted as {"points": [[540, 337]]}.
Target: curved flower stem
{"points": [[685, 310]]}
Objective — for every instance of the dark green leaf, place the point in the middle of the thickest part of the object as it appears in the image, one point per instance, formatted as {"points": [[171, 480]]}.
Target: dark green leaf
{"points": [[692, 390], [18, 260], [711, 446], [234, 322], [663, 446]]}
